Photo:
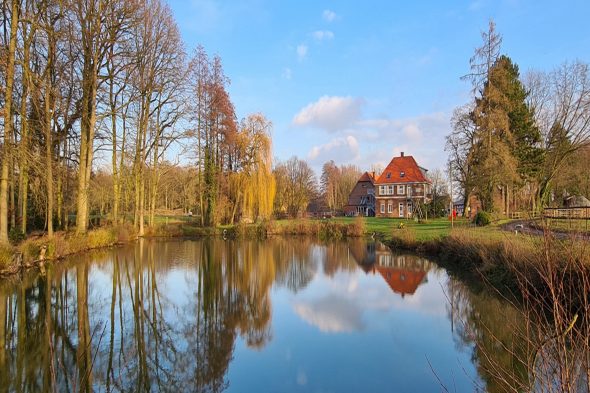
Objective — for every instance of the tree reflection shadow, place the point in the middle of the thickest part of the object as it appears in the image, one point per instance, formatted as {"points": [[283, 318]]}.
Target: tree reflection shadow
{"points": [[103, 322], [166, 316]]}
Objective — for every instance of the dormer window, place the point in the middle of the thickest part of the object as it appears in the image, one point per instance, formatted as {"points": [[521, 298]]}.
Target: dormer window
{"points": [[402, 174], [388, 175]]}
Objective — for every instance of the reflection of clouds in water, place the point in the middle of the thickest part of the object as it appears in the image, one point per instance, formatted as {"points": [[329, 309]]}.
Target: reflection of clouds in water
{"points": [[337, 304], [331, 314]]}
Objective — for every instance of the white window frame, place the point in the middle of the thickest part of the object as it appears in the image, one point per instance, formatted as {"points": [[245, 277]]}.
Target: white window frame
{"points": [[382, 207], [390, 207], [389, 190], [401, 189], [381, 190], [401, 210]]}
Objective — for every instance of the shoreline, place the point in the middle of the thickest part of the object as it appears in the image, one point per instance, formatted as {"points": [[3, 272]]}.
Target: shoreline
{"points": [[498, 258]]}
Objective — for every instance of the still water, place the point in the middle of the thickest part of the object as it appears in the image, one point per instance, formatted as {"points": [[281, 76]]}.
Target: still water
{"points": [[282, 315]]}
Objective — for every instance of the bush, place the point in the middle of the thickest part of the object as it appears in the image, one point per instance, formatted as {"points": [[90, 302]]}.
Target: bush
{"points": [[482, 219], [30, 249], [357, 228], [101, 238], [16, 236], [404, 238], [332, 231], [6, 253], [124, 232]]}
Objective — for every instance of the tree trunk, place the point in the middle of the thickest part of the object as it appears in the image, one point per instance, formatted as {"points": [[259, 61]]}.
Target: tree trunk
{"points": [[23, 181], [113, 104], [48, 154], [89, 85], [8, 122]]}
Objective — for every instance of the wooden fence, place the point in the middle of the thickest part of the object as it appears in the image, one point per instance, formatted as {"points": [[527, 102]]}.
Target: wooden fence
{"points": [[580, 213], [524, 215]]}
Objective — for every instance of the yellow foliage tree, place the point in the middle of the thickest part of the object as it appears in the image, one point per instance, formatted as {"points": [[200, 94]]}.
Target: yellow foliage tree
{"points": [[256, 180]]}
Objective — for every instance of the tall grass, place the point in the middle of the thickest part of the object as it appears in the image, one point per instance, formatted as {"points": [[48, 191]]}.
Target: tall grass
{"points": [[548, 281], [6, 253]]}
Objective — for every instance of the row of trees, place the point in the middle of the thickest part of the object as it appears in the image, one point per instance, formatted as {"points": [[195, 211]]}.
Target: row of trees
{"points": [[111, 79], [514, 144], [249, 188]]}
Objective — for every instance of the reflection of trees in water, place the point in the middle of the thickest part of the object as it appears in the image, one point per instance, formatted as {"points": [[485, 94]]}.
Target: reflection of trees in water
{"points": [[495, 331], [118, 320], [62, 330], [339, 257], [507, 339], [295, 261]]}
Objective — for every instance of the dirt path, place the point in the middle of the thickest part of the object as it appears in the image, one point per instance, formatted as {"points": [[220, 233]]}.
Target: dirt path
{"points": [[529, 227]]}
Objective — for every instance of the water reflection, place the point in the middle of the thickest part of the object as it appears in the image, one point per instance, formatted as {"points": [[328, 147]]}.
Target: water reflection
{"points": [[403, 273], [191, 315]]}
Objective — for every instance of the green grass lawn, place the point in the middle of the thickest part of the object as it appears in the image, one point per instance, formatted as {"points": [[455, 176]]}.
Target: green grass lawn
{"points": [[387, 226], [426, 230], [384, 227]]}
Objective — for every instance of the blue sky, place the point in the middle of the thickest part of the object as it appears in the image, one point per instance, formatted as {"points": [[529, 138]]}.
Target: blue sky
{"points": [[358, 82]]}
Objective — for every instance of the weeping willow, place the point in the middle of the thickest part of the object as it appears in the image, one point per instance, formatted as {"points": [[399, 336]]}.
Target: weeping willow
{"points": [[257, 182]]}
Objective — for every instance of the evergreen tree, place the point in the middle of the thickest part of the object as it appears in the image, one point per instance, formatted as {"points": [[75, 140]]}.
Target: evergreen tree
{"points": [[507, 151]]}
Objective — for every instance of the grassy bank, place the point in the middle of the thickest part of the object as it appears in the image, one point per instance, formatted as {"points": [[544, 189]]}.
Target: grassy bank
{"points": [[36, 250]]}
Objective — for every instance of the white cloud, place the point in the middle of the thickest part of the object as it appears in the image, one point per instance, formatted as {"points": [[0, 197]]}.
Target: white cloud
{"points": [[329, 15], [321, 35], [301, 51], [331, 113], [368, 141], [341, 150], [331, 314], [287, 73]]}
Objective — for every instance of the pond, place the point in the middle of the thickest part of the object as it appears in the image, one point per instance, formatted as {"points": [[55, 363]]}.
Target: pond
{"points": [[281, 315]]}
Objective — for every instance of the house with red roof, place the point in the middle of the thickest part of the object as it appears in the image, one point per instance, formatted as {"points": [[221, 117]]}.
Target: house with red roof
{"points": [[361, 200], [401, 188]]}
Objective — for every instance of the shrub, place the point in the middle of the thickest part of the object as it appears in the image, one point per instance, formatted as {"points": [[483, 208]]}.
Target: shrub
{"points": [[101, 238], [357, 228], [30, 249], [332, 230], [15, 236], [404, 238], [6, 253], [124, 232], [482, 219], [268, 228]]}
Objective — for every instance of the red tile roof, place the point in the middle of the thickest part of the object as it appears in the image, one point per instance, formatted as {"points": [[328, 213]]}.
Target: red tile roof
{"points": [[406, 165], [367, 177], [402, 281]]}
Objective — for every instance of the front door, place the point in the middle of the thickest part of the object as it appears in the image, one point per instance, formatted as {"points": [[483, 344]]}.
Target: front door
{"points": [[401, 209]]}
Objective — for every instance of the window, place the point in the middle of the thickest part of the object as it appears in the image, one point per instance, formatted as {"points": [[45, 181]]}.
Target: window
{"points": [[401, 209], [381, 190], [410, 208], [382, 207], [388, 175], [390, 207], [390, 190], [418, 189], [402, 174], [401, 190]]}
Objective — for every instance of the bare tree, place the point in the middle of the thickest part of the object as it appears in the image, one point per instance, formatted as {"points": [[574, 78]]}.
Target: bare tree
{"points": [[8, 131]]}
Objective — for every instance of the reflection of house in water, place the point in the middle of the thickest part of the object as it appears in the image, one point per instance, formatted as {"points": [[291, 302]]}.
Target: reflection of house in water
{"points": [[403, 273]]}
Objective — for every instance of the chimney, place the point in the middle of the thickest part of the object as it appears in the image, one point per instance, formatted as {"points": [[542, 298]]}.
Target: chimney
{"points": [[402, 153]]}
